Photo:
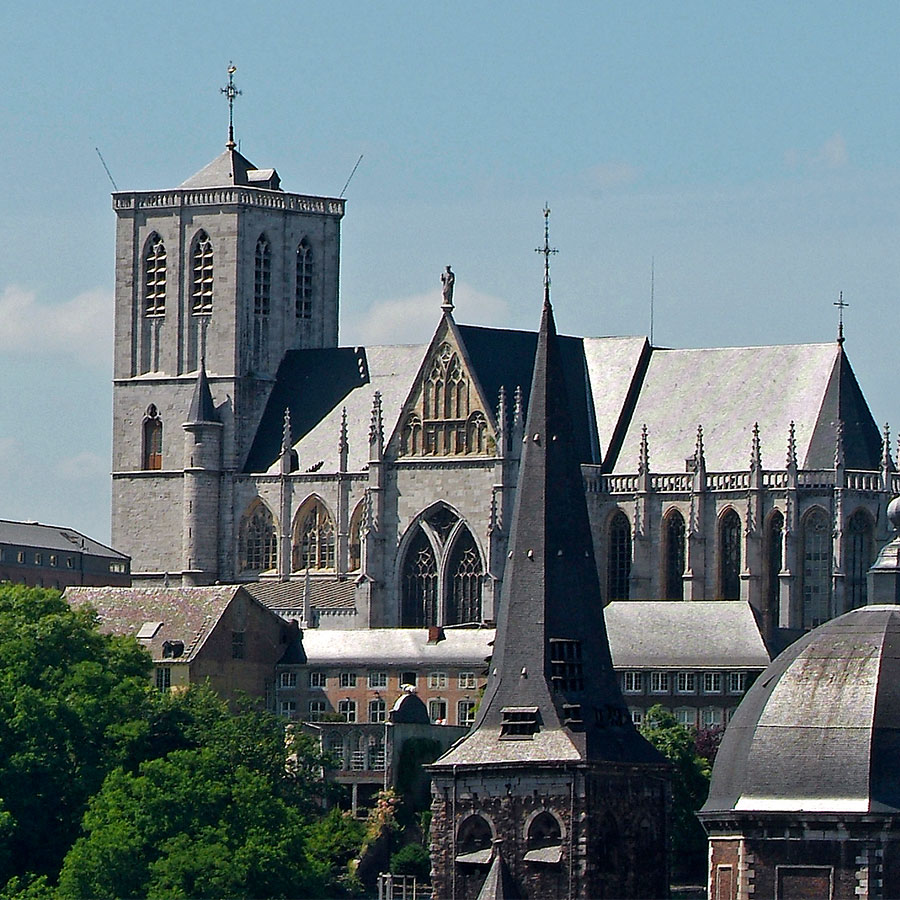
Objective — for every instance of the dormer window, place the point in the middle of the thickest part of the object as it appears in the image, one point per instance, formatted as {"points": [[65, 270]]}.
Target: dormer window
{"points": [[519, 722], [172, 649], [566, 667]]}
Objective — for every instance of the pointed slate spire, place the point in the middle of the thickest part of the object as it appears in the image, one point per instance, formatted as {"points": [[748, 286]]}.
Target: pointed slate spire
{"points": [[499, 884], [203, 409], [552, 693]]}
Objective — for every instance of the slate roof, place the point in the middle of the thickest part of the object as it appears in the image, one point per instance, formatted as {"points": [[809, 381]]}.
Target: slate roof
{"points": [[227, 169], [726, 390], [324, 593], [551, 592], [183, 614], [819, 731], [53, 537], [202, 409], [397, 647], [675, 634]]}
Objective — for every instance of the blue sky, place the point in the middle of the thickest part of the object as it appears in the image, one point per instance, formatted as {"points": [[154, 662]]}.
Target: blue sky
{"points": [[749, 150]]}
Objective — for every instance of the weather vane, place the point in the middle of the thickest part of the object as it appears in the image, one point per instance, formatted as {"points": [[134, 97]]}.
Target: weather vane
{"points": [[230, 92], [841, 305], [546, 250]]}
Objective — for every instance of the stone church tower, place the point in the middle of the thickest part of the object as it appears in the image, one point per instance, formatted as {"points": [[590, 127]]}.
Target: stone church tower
{"points": [[553, 793], [225, 274]]}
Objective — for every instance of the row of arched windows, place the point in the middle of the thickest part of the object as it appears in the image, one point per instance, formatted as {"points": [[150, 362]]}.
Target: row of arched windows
{"points": [[816, 559], [201, 276], [441, 572]]}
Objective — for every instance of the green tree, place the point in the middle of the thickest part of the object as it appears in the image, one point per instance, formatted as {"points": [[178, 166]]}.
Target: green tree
{"points": [[69, 698], [690, 785]]}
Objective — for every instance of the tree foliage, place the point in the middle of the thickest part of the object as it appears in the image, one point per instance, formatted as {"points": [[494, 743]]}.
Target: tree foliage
{"points": [[690, 785]]}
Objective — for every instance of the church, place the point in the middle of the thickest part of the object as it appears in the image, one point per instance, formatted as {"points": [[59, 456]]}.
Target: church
{"points": [[374, 486]]}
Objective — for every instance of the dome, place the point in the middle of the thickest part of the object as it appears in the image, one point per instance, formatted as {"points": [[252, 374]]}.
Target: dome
{"points": [[819, 731]]}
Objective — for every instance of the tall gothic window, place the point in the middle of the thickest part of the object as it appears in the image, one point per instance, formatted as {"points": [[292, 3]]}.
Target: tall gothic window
{"points": [[314, 538], [152, 443], [355, 538], [202, 275], [262, 278], [419, 584], [304, 292], [673, 572], [774, 561], [465, 574], [817, 555], [859, 557], [155, 277], [258, 540], [619, 557], [730, 556]]}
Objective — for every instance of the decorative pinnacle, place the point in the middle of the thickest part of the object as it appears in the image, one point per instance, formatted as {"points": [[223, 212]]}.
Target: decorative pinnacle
{"points": [[376, 427], [230, 92], [644, 457], [886, 462], [698, 449], [756, 450], [839, 443], [286, 431], [791, 462], [546, 251], [841, 307], [343, 443]]}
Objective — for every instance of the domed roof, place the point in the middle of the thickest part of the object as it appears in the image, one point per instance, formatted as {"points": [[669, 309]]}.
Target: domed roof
{"points": [[819, 731]]}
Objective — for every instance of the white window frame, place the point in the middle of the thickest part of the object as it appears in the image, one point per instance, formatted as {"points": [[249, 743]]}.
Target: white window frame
{"points": [[468, 719], [381, 715], [437, 681], [316, 709], [660, 683], [683, 712], [378, 680], [288, 680], [637, 714], [348, 680], [467, 681], [289, 709], [686, 683], [633, 682], [712, 682], [714, 713], [347, 709], [318, 679], [739, 678], [434, 719]]}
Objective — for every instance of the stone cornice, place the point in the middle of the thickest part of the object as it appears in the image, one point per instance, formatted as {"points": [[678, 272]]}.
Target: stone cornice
{"points": [[227, 196]]}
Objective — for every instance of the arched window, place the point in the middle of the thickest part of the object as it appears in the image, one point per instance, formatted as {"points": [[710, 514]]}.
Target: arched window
{"points": [[419, 583], [544, 831], [618, 562], [859, 557], [674, 556], [314, 537], [155, 276], [202, 275], [304, 291], [476, 433], [262, 278], [817, 555], [258, 542], [355, 538], [152, 444], [730, 556], [465, 576], [774, 561], [474, 834], [411, 444]]}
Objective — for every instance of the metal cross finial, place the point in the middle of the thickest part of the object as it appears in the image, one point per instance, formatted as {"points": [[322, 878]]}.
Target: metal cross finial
{"points": [[841, 307], [230, 92], [546, 250]]}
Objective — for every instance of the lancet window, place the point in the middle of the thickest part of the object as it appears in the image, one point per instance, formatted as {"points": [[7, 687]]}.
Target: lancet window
{"points": [[442, 574], [152, 443], [314, 538], [674, 556], [355, 538], [155, 277], [304, 289], [859, 557], [817, 556], [774, 561], [619, 557], [258, 540], [730, 556], [202, 275], [262, 278]]}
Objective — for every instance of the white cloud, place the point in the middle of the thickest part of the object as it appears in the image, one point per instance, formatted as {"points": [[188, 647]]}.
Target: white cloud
{"points": [[81, 327], [412, 320], [831, 155], [83, 466]]}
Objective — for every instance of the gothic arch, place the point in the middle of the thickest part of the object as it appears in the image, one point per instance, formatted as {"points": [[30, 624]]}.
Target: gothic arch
{"points": [[313, 537], [463, 579], [201, 273], [728, 542], [258, 550], [419, 582], [474, 833], [262, 277], [773, 562], [618, 556], [859, 539], [533, 819], [154, 273], [674, 554], [816, 555], [152, 439], [303, 289], [355, 536]]}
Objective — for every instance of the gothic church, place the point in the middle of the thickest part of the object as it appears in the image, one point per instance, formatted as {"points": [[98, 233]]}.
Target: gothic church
{"points": [[373, 486]]}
